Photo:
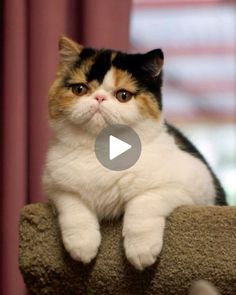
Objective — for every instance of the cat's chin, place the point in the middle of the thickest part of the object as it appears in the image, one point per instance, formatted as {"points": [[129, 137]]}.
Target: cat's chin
{"points": [[95, 124]]}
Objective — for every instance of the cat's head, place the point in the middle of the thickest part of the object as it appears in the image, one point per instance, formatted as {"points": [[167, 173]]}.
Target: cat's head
{"points": [[95, 88]]}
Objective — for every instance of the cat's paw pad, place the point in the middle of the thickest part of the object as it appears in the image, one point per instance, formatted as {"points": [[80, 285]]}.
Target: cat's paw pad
{"points": [[142, 252], [82, 246]]}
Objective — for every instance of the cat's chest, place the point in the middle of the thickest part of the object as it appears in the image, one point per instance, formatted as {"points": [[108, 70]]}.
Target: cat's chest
{"points": [[80, 171]]}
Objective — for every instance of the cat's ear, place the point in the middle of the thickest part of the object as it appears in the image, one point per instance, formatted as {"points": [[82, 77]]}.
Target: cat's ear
{"points": [[68, 50], [153, 61]]}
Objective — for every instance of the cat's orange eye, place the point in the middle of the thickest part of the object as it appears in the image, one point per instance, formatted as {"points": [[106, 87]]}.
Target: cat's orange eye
{"points": [[123, 95], [79, 89]]}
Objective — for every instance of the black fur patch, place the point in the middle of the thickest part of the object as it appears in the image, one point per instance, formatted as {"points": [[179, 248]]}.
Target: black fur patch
{"points": [[100, 67], [87, 53], [185, 145]]}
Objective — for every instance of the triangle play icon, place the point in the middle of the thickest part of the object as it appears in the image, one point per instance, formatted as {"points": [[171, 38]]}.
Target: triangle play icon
{"points": [[117, 147]]}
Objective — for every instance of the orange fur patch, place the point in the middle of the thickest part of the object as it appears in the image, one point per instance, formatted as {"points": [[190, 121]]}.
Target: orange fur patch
{"points": [[60, 99], [87, 64], [124, 80], [145, 101], [113, 55], [147, 105], [78, 75], [93, 85]]}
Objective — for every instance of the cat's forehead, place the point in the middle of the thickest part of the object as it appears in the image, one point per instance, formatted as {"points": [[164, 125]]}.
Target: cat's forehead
{"points": [[101, 64], [106, 67]]}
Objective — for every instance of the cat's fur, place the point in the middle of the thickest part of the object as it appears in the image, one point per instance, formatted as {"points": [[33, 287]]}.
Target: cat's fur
{"points": [[203, 288], [169, 173]]}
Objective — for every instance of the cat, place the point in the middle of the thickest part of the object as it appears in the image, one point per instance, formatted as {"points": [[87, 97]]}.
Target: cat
{"points": [[203, 287], [94, 89]]}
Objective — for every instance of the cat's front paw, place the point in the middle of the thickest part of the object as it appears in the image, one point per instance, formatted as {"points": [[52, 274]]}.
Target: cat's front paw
{"points": [[82, 245], [142, 249]]}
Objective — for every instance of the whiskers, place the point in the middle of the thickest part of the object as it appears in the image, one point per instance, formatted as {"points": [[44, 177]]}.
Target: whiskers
{"points": [[83, 114], [110, 117]]}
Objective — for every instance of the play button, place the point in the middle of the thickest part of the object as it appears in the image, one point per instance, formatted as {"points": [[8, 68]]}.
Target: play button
{"points": [[117, 147]]}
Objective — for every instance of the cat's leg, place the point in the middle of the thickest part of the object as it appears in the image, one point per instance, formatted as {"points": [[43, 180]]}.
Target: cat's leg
{"points": [[79, 227], [144, 223]]}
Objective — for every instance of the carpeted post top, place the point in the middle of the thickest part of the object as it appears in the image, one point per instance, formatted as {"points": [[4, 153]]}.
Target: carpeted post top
{"points": [[199, 243]]}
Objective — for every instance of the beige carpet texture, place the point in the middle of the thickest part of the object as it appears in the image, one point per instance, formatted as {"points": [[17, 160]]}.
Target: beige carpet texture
{"points": [[199, 243]]}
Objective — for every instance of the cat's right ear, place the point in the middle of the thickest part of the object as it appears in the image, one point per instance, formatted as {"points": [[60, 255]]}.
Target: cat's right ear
{"points": [[153, 62], [68, 50]]}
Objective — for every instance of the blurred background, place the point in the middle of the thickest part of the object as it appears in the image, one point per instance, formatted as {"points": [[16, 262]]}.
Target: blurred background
{"points": [[198, 38], [199, 42]]}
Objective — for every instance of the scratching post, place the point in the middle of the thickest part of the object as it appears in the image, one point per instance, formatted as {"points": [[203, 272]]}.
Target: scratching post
{"points": [[199, 243]]}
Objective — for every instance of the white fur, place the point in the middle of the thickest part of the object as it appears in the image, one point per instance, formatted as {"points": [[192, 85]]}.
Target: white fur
{"points": [[203, 288], [84, 191]]}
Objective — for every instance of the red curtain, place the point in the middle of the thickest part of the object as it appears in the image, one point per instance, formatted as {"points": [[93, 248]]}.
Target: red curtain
{"points": [[30, 31]]}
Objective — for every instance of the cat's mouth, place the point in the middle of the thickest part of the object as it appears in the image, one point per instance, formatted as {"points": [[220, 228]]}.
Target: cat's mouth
{"points": [[110, 117], [96, 116], [96, 111], [102, 113], [99, 114]]}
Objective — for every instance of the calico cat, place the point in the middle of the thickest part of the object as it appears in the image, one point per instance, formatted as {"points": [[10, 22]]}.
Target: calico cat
{"points": [[92, 90]]}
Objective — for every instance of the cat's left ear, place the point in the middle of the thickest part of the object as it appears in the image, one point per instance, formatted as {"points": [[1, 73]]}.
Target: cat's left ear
{"points": [[68, 50], [153, 61]]}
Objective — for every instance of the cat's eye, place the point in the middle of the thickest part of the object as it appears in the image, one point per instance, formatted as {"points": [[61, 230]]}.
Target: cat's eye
{"points": [[79, 89], [123, 95]]}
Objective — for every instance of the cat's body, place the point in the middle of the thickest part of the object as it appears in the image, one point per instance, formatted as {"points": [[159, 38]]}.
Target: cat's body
{"points": [[77, 170], [169, 173]]}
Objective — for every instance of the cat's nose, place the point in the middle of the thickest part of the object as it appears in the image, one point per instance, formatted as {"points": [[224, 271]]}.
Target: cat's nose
{"points": [[100, 97]]}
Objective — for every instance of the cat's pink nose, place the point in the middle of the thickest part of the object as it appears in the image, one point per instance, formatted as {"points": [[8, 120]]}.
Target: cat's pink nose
{"points": [[100, 97]]}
